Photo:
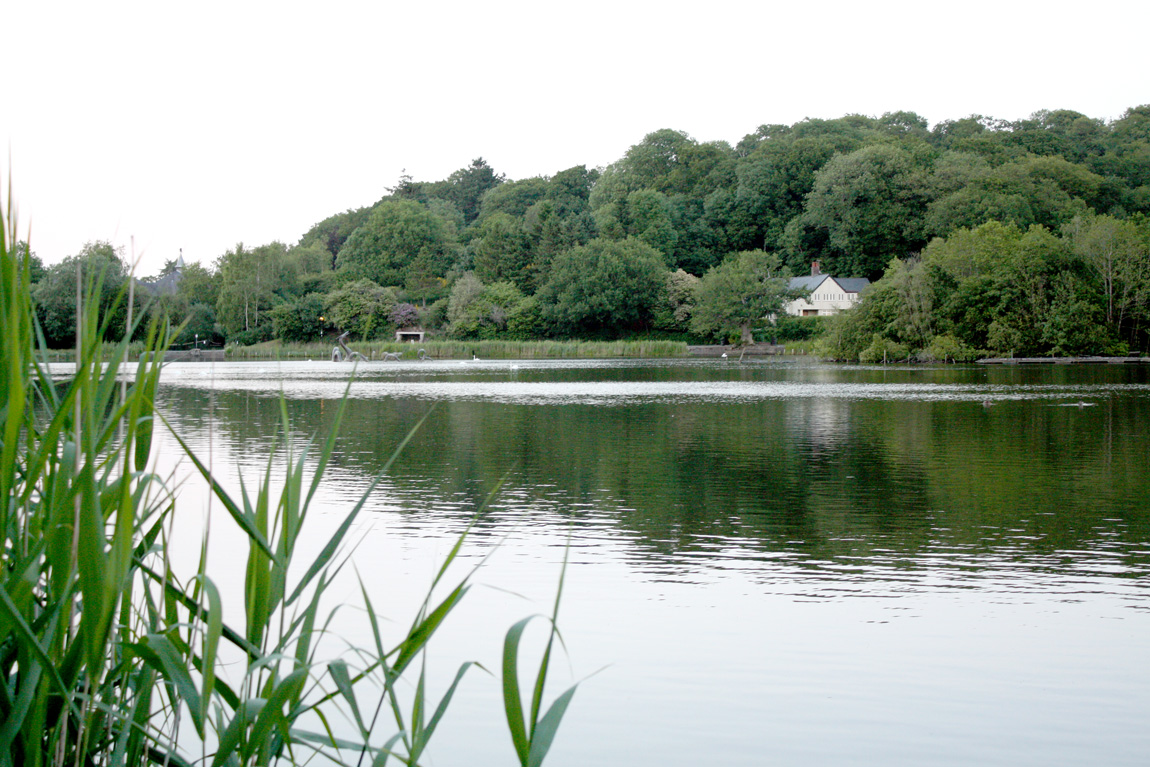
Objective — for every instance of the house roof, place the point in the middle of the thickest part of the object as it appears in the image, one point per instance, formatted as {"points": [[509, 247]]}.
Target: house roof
{"points": [[812, 281], [852, 284], [807, 282]]}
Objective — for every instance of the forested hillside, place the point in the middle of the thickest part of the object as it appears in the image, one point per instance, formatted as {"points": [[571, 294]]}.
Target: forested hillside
{"points": [[1024, 236]]}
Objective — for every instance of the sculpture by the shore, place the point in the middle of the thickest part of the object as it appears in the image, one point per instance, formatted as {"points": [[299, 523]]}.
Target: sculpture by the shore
{"points": [[343, 354]]}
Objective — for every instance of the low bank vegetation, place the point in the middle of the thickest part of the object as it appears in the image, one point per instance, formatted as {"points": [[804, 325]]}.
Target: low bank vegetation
{"points": [[457, 350]]}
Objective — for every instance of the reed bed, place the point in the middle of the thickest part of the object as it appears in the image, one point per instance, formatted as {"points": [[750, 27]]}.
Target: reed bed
{"points": [[457, 350], [108, 656]]}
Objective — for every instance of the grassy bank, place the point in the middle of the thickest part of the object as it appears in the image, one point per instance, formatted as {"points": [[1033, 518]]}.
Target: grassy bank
{"points": [[458, 350]]}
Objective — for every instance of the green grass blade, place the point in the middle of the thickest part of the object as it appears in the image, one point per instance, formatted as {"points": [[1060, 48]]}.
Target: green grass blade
{"points": [[158, 651], [31, 642], [214, 628], [548, 726], [232, 736], [422, 632], [512, 700], [341, 677], [441, 709], [272, 715]]}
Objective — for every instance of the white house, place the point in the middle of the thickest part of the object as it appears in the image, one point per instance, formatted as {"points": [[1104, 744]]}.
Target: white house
{"points": [[828, 295]]}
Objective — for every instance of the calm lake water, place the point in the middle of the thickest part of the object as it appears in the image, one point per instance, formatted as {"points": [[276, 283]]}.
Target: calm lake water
{"points": [[770, 563]]}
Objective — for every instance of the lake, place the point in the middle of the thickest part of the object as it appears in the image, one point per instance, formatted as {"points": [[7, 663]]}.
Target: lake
{"points": [[774, 562]]}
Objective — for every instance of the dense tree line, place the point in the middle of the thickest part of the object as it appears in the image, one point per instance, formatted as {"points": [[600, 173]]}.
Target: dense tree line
{"points": [[997, 289], [1049, 213]]}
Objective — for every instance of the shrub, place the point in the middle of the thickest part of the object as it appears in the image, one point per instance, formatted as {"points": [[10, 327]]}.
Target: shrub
{"points": [[884, 350], [299, 320], [947, 348], [403, 315], [361, 307], [256, 335]]}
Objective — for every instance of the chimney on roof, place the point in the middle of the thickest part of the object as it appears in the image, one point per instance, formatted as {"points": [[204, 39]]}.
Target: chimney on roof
{"points": [[815, 268]]}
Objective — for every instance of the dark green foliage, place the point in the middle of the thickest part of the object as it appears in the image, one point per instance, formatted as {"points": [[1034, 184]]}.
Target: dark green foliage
{"points": [[853, 193], [400, 240], [466, 187], [739, 294], [199, 285], [256, 335], [300, 320], [1074, 323], [501, 250], [790, 328], [251, 282], [870, 204], [56, 295], [672, 314], [604, 286], [36, 270], [331, 233], [485, 311], [513, 198], [199, 326], [995, 289], [362, 307]]}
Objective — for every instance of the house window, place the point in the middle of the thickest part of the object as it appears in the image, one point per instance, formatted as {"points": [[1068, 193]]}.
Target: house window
{"points": [[810, 312]]}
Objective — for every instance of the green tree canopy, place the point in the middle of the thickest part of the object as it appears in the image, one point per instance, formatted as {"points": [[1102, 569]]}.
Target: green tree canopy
{"points": [[251, 282], [604, 286], [361, 307], [482, 311], [501, 250], [1118, 254], [55, 294], [331, 233], [739, 293], [400, 238], [300, 320], [870, 205]]}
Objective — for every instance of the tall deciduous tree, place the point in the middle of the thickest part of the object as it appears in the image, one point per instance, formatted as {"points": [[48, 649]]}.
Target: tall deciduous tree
{"points": [[361, 307], [331, 233], [466, 187], [739, 293], [55, 294], [398, 237], [250, 280], [501, 251], [1117, 253], [603, 286], [870, 203]]}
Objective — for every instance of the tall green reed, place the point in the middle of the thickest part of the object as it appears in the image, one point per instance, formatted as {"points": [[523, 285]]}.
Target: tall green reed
{"points": [[108, 656], [635, 349]]}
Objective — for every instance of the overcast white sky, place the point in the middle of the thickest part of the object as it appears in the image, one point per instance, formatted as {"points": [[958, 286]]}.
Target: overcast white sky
{"points": [[200, 125]]}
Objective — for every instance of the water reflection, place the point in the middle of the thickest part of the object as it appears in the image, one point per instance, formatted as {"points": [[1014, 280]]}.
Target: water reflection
{"points": [[704, 465], [761, 554]]}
